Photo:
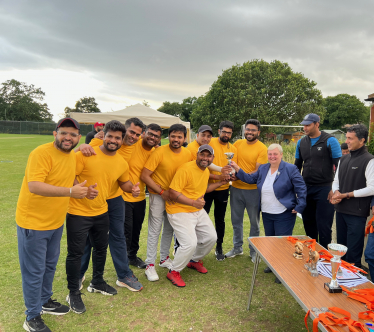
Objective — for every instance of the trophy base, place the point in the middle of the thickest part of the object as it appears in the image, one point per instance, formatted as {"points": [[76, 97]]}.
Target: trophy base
{"points": [[298, 256], [332, 290], [313, 272]]}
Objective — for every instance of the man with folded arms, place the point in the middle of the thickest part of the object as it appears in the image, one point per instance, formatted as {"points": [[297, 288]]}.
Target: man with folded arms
{"points": [[41, 209], [157, 174], [102, 171], [191, 223]]}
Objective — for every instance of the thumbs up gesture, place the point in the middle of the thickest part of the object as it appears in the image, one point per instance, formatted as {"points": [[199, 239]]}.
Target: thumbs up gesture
{"points": [[92, 192], [79, 190], [199, 203], [135, 190]]}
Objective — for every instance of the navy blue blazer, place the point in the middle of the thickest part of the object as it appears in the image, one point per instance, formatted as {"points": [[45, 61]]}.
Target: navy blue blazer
{"points": [[289, 186]]}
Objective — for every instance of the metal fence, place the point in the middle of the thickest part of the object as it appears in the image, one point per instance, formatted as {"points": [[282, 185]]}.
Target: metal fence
{"points": [[35, 128]]}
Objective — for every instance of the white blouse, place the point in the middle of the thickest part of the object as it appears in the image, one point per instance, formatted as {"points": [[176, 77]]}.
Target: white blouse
{"points": [[269, 203]]}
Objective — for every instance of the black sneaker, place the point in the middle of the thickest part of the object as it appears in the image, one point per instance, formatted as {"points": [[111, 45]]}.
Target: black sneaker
{"points": [[36, 324], [102, 288], [138, 262], [219, 254], [75, 301], [267, 270], [53, 307]]}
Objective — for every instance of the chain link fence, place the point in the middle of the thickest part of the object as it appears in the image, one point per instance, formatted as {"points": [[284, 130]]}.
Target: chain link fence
{"points": [[35, 128]]}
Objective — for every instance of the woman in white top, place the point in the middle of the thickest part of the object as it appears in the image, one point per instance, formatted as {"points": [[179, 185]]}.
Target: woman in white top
{"points": [[282, 192]]}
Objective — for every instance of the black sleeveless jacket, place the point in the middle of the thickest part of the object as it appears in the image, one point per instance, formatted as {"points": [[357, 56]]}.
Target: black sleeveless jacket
{"points": [[352, 177], [318, 166]]}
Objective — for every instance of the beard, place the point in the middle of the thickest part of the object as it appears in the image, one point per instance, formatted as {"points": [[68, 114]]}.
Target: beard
{"points": [[60, 146], [224, 139], [110, 147], [251, 138]]}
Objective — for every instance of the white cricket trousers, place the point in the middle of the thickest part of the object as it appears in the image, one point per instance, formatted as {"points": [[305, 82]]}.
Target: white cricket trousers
{"points": [[196, 236], [157, 218]]}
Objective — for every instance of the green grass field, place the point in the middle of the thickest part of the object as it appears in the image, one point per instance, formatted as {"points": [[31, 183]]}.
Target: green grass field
{"points": [[212, 302]]}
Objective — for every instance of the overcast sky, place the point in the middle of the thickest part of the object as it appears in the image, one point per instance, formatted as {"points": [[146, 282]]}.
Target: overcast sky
{"points": [[124, 52]]}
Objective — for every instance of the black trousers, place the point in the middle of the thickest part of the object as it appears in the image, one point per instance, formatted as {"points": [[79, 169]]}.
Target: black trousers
{"points": [[350, 232], [77, 228], [134, 217], [318, 215], [220, 199]]}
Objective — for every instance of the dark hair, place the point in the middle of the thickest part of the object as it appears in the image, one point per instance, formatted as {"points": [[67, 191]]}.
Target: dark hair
{"points": [[344, 146], [115, 125], [68, 124], [137, 122], [360, 130], [178, 127], [227, 124], [154, 126], [253, 122], [184, 144]]}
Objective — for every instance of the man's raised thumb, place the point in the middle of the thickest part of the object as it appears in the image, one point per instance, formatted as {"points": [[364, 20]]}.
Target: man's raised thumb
{"points": [[82, 184]]}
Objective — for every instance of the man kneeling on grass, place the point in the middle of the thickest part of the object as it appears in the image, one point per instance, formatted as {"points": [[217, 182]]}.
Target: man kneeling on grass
{"points": [[192, 225]]}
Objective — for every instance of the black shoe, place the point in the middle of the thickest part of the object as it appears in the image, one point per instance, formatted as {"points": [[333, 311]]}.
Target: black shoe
{"points": [[277, 281], [102, 288], [36, 324], [75, 301], [268, 270], [219, 254], [53, 307], [138, 262]]}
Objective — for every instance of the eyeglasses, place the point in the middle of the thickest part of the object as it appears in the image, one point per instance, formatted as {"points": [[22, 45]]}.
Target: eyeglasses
{"points": [[64, 133], [226, 132], [153, 135], [251, 130]]}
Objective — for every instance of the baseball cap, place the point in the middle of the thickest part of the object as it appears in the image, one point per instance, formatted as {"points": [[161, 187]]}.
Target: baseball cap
{"points": [[97, 124], [205, 128], [205, 147], [310, 118], [75, 123]]}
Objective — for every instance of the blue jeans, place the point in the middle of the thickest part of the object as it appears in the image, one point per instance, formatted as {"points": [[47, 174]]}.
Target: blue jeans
{"points": [[350, 232], [241, 199], [369, 254], [279, 224], [38, 253], [117, 240]]}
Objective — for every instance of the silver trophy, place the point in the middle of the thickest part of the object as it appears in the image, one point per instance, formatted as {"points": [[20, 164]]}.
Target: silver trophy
{"points": [[229, 156], [337, 250]]}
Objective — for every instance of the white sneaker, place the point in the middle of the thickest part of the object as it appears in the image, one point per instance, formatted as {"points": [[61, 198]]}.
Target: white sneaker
{"points": [[151, 273], [166, 263]]}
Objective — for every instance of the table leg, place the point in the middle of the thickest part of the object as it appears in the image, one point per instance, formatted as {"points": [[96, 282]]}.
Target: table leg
{"points": [[257, 261]]}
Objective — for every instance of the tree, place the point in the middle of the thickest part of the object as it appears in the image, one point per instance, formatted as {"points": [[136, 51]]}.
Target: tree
{"points": [[174, 109], [22, 102], [84, 105], [270, 92], [183, 110], [344, 109]]}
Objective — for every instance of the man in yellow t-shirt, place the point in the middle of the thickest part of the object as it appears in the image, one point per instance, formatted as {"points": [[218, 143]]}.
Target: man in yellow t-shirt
{"points": [[135, 207], [191, 223], [116, 210], [41, 209], [203, 136], [157, 174], [251, 154], [101, 171], [220, 196]]}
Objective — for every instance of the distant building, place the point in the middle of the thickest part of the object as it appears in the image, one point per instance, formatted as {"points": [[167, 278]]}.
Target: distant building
{"points": [[337, 133]]}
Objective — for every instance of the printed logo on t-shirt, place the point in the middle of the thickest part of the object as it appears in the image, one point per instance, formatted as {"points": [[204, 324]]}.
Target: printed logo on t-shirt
{"points": [[353, 167], [319, 148]]}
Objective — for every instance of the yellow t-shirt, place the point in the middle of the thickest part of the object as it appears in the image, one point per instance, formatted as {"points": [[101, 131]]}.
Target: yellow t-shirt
{"points": [[105, 171], [125, 151], [49, 165], [192, 182], [163, 162], [220, 158], [136, 164], [248, 156], [193, 147]]}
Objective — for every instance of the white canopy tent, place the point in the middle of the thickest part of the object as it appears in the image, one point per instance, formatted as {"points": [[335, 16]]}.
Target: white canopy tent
{"points": [[144, 113]]}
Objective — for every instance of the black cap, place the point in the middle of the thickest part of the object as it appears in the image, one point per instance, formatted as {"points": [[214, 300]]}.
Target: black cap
{"points": [[310, 118], [207, 148], [205, 128], [75, 123]]}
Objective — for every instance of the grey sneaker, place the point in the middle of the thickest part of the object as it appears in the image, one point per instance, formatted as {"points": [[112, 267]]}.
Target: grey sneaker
{"points": [[253, 258], [234, 252], [132, 283]]}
